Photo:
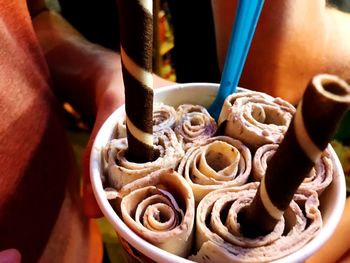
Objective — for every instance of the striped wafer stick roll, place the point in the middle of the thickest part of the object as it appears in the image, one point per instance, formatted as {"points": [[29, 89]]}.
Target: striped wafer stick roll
{"points": [[136, 36], [325, 100]]}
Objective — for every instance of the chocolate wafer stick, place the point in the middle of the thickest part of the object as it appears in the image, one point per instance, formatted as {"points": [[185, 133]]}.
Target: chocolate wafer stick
{"points": [[325, 100], [136, 36]]}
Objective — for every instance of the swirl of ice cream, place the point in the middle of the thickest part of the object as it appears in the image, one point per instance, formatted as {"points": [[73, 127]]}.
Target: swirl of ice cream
{"points": [[121, 171], [160, 208], [260, 160], [318, 179], [194, 124], [255, 118], [164, 116], [218, 236], [220, 162]]}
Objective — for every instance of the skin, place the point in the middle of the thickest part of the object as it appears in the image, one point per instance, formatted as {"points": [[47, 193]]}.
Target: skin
{"points": [[294, 40], [38, 196], [99, 77], [336, 249]]}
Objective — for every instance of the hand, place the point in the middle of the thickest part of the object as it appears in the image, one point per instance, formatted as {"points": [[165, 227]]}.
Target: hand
{"points": [[86, 75], [109, 101], [78, 67], [337, 248]]}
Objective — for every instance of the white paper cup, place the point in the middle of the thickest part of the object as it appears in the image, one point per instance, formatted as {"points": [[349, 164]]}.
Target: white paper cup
{"points": [[332, 200]]}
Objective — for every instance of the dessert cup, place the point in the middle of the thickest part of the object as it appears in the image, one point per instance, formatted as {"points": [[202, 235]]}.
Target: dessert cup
{"points": [[332, 200]]}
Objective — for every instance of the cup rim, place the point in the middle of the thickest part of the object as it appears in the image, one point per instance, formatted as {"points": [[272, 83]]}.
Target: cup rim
{"points": [[155, 252]]}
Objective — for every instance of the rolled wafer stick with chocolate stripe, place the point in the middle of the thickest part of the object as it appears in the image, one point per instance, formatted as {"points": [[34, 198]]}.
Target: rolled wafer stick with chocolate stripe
{"points": [[136, 36], [320, 176], [325, 100]]}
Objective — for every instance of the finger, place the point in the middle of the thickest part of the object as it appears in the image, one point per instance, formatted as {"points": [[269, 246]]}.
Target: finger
{"points": [[338, 244], [109, 102], [90, 205], [10, 256]]}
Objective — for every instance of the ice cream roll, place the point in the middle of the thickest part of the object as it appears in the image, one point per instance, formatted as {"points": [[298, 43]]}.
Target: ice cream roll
{"points": [[219, 162], [219, 237], [164, 116], [255, 118], [194, 124], [324, 102], [320, 176], [136, 37], [121, 171], [261, 159], [160, 209]]}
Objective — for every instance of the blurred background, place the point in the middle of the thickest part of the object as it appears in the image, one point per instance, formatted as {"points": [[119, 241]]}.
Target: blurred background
{"points": [[342, 4]]}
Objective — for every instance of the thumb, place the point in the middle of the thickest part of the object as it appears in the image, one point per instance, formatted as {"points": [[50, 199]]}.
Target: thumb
{"points": [[10, 256], [109, 102]]}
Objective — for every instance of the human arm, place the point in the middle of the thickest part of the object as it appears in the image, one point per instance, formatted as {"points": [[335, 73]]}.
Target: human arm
{"points": [[294, 40]]}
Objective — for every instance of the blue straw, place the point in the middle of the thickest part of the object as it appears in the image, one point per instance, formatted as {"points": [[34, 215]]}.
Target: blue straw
{"points": [[247, 15]]}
